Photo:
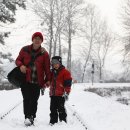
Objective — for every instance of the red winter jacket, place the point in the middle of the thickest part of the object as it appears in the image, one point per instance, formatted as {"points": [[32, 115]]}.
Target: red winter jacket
{"points": [[42, 63], [60, 82]]}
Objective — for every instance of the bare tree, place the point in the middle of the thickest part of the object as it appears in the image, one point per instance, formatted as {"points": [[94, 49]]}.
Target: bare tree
{"points": [[98, 40], [52, 14], [90, 31], [126, 24], [60, 19], [73, 10], [105, 38], [125, 17], [59, 23], [45, 10]]}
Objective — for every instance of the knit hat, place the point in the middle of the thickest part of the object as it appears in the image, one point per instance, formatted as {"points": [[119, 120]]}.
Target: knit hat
{"points": [[37, 34], [56, 60]]}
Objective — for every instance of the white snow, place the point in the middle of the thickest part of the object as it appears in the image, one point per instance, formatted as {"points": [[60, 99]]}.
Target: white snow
{"points": [[104, 85], [96, 112]]}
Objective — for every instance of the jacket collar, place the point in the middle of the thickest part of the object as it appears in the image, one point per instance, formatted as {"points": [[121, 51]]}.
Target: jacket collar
{"points": [[35, 51], [60, 68]]}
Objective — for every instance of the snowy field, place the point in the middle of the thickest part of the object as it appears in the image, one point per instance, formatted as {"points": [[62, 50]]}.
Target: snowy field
{"points": [[96, 112], [104, 85]]}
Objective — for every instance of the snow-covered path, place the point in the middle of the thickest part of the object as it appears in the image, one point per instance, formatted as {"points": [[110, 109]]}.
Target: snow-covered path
{"points": [[15, 119], [96, 112]]}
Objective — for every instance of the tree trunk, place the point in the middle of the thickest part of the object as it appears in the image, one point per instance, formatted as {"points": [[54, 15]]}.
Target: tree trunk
{"points": [[51, 29], [60, 46], [69, 50], [100, 74]]}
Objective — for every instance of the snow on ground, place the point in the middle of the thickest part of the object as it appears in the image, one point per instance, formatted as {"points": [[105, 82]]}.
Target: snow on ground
{"points": [[8, 99], [100, 113], [104, 85], [97, 112], [16, 118]]}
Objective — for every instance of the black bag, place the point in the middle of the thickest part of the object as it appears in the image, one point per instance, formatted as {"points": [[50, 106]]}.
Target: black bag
{"points": [[16, 77]]}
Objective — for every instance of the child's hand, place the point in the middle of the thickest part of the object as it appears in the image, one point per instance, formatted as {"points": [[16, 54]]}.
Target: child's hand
{"points": [[47, 84], [42, 91], [66, 96]]}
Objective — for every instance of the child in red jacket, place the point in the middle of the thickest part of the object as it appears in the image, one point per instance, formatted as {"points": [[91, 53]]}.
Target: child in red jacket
{"points": [[59, 90]]}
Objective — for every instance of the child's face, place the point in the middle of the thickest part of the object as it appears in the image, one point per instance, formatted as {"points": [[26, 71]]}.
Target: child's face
{"points": [[56, 66]]}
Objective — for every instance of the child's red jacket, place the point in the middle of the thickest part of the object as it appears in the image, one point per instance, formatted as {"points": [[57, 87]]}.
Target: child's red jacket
{"points": [[61, 81]]}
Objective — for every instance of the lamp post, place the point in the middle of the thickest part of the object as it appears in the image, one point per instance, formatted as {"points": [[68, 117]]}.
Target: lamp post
{"points": [[92, 72]]}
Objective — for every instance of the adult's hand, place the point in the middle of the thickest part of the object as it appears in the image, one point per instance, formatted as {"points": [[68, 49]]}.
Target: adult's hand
{"points": [[23, 68], [48, 84]]}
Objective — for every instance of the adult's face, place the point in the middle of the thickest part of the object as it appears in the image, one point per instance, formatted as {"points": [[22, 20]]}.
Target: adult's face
{"points": [[37, 41]]}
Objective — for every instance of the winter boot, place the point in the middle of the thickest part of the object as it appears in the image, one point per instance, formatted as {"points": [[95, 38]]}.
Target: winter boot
{"points": [[32, 120], [51, 124], [29, 121]]}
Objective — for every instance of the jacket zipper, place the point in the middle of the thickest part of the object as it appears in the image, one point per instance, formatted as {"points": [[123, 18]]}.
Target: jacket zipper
{"points": [[54, 88]]}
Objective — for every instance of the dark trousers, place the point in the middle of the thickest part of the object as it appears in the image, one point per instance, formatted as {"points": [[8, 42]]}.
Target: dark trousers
{"points": [[57, 108], [30, 94]]}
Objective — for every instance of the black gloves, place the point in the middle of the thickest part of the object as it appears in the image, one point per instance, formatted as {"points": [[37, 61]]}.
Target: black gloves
{"points": [[42, 91]]}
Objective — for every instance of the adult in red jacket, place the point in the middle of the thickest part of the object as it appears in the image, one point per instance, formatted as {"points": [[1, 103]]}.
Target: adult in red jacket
{"points": [[59, 90], [35, 62]]}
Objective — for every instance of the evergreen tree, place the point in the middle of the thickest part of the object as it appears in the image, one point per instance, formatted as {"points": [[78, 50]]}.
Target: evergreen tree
{"points": [[7, 12]]}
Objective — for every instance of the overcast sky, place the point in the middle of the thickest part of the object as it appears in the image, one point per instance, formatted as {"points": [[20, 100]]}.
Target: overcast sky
{"points": [[110, 9]]}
